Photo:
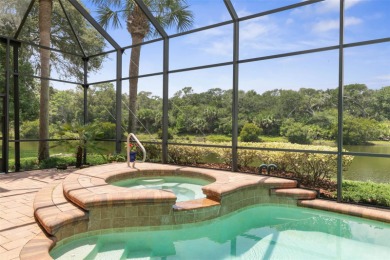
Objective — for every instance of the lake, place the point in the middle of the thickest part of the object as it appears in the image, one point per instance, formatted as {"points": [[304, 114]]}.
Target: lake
{"points": [[362, 168]]}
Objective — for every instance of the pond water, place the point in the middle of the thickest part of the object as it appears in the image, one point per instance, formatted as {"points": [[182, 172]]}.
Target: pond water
{"points": [[364, 168]]}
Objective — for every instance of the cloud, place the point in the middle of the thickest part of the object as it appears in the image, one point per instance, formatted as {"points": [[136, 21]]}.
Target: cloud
{"points": [[256, 28], [327, 6], [384, 77], [220, 48], [334, 5], [333, 24], [289, 21]]}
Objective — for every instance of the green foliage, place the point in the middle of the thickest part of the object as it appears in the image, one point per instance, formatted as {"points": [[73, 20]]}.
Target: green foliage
{"points": [[179, 154], [366, 192], [97, 159], [114, 158], [160, 134], [359, 130], [54, 161], [250, 133], [384, 130], [107, 130], [218, 138], [309, 166], [153, 152], [297, 133], [28, 163], [31, 163], [269, 125], [29, 129], [85, 138]]}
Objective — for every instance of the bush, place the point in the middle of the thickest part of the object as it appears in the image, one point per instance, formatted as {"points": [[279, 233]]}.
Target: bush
{"points": [[106, 129], [96, 159], [153, 152], [358, 130], [29, 129], [218, 138], [366, 192], [308, 166], [187, 154], [160, 134], [53, 161], [297, 133], [250, 133]]}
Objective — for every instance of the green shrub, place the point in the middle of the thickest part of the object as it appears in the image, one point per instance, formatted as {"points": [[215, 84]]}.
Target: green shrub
{"points": [[153, 152], [53, 161], [160, 134], [309, 166], [358, 130], [106, 129], [114, 158], [29, 129], [28, 163], [187, 154], [366, 192], [96, 159], [297, 133], [250, 133], [218, 138]]}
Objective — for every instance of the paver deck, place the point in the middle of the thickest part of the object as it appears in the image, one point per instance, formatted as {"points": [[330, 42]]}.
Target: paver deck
{"points": [[17, 193]]}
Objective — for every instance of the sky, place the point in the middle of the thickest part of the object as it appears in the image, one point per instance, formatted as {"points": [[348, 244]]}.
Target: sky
{"points": [[308, 27]]}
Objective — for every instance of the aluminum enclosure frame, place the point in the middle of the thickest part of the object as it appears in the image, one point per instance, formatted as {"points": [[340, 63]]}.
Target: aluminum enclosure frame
{"points": [[235, 20]]}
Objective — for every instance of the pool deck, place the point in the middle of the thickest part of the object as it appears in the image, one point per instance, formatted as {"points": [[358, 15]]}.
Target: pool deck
{"points": [[18, 191]]}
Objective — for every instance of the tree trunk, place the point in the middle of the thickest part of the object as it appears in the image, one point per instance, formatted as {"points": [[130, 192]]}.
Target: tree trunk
{"points": [[133, 82], [79, 157], [45, 11]]}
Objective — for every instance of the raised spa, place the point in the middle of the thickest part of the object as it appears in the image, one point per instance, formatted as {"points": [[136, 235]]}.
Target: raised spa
{"points": [[256, 232], [185, 188]]}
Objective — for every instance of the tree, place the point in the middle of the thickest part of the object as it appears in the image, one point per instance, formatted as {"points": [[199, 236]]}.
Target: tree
{"points": [[250, 133], [45, 11], [53, 31], [169, 13]]}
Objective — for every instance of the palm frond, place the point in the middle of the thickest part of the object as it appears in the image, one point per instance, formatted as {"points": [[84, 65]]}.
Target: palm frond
{"points": [[107, 17], [113, 3]]}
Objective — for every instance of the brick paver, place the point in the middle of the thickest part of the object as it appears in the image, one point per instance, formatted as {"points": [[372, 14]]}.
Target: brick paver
{"points": [[17, 223]]}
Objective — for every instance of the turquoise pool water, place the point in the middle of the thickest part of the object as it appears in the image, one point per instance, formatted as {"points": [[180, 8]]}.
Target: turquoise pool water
{"points": [[259, 232], [185, 188]]}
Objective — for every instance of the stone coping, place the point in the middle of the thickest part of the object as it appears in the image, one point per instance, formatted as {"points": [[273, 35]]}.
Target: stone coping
{"points": [[38, 248], [382, 215], [89, 187]]}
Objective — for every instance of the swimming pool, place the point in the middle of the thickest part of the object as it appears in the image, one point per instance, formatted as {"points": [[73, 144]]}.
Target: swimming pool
{"points": [[185, 188], [256, 232]]}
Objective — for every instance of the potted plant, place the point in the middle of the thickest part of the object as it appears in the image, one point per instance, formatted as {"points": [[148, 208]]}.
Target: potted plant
{"points": [[132, 152]]}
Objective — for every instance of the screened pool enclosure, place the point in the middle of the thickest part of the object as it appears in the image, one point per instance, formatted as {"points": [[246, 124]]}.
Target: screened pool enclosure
{"points": [[283, 67]]}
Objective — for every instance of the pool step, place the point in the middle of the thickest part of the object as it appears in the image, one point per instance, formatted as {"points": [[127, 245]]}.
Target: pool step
{"points": [[195, 204], [295, 193], [53, 211]]}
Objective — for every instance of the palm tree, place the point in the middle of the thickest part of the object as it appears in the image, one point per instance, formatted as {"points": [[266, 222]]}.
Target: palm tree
{"points": [[169, 13], [45, 12]]}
